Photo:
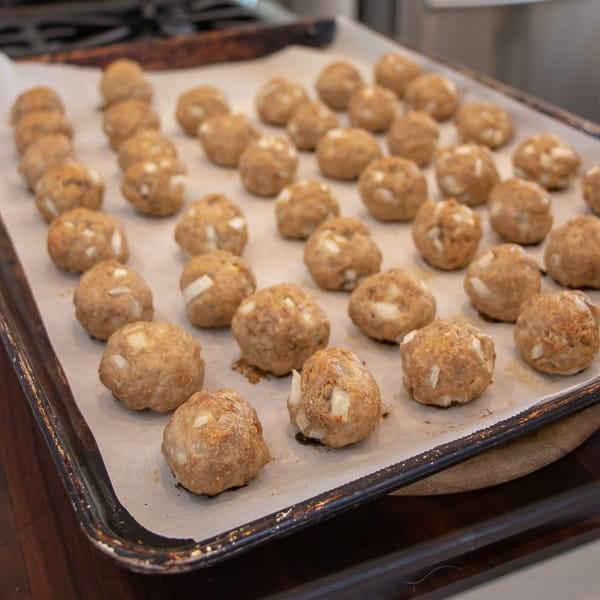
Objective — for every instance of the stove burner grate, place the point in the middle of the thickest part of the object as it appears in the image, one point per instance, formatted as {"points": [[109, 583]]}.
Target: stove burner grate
{"points": [[29, 29]]}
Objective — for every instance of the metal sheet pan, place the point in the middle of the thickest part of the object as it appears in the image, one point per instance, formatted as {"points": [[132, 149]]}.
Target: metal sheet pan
{"points": [[105, 521]]}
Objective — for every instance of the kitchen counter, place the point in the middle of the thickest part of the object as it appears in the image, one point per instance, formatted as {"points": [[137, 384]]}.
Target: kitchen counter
{"points": [[365, 552]]}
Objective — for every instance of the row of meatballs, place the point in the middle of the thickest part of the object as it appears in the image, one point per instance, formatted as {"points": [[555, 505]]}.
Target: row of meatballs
{"points": [[338, 401]]}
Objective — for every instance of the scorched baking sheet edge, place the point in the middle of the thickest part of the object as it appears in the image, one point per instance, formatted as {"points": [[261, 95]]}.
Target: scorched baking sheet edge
{"points": [[130, 442]]}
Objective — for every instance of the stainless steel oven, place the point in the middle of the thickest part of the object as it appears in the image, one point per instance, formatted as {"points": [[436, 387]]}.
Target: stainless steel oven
{"points": [[550, 48]]}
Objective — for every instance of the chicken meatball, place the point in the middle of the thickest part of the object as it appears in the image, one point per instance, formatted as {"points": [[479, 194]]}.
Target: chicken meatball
{"points": [[213, 286], [499, 280], [546, 160], [466, 172], [336, 399], [340, 253], [572, 254], [446, 234], [387, 305], [446, 363], [214, 442], [212, 223], [557, 333], [81, 238], [155, 366], [520, 211], [279, 327], [110, 295]]}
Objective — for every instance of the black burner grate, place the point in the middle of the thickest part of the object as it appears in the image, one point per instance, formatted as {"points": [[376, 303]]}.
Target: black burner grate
{"points": [[27, 29]]}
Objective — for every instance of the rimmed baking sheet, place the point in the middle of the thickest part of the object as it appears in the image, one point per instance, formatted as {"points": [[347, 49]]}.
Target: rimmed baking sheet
{"points": [[411, 442]]}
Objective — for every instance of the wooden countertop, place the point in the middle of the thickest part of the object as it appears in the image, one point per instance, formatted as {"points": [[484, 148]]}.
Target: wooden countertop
{"points": [[395, 546]]}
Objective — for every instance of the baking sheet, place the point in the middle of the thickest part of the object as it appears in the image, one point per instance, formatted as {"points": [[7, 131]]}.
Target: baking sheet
{"points": [[130, 442]]}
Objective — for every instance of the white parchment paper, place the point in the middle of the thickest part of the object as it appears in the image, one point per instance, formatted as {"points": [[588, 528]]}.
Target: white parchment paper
{"points": [[130, 442]]}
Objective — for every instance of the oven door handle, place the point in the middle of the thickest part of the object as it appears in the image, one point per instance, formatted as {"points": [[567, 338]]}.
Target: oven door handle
{"points": [[450, 4]]}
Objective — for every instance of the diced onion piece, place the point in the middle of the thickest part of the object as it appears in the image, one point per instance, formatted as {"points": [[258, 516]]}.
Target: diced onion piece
{"points": [[480, 288], [248, 307], [340, 403], [331, 246], [433, 376], [386, 310], [409, 336], [197, 288], [237, 223], [317, 433], [119, 272], [296, 389], [120, 361], [116, 242], [50, 206], [119, 291], [302, 421], [137, 340], [202, 419], [178, 181]]}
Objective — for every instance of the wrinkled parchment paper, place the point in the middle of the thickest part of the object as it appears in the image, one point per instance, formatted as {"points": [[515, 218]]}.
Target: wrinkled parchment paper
{"points": [[130, 442]]}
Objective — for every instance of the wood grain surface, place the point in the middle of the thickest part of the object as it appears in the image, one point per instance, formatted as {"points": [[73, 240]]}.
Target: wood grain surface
{"points": [[521, 457]]}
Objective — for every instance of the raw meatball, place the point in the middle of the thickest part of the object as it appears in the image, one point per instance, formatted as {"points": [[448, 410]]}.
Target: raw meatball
{"points": [[212, 223], [466, 172], [154, 365], [279, 327], [110, 295], [344, 153], [395, 71], [413, 136], [388, 305], [309, 123], [214, 442], [520, 211], [435, 94], [225, 137], [267, 165], [336, 400], [337, 82], [197, 105], [340, 253], [557, 333], [499, 280], [372, 107], [446, 234], [447, 363], [34, 125], [155, 187], [81, 238], [590, 186], [43, 153], [392, 189], [277, 100], [124, 79], [148, 144], [546, 160], [302, 206], [213, 286], [35, 99], [126, 118], [68, 185], [572, 254], [484, 123]]}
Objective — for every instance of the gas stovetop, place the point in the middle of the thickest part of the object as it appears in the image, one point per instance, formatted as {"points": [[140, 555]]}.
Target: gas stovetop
{"points": [[29, 28]]}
